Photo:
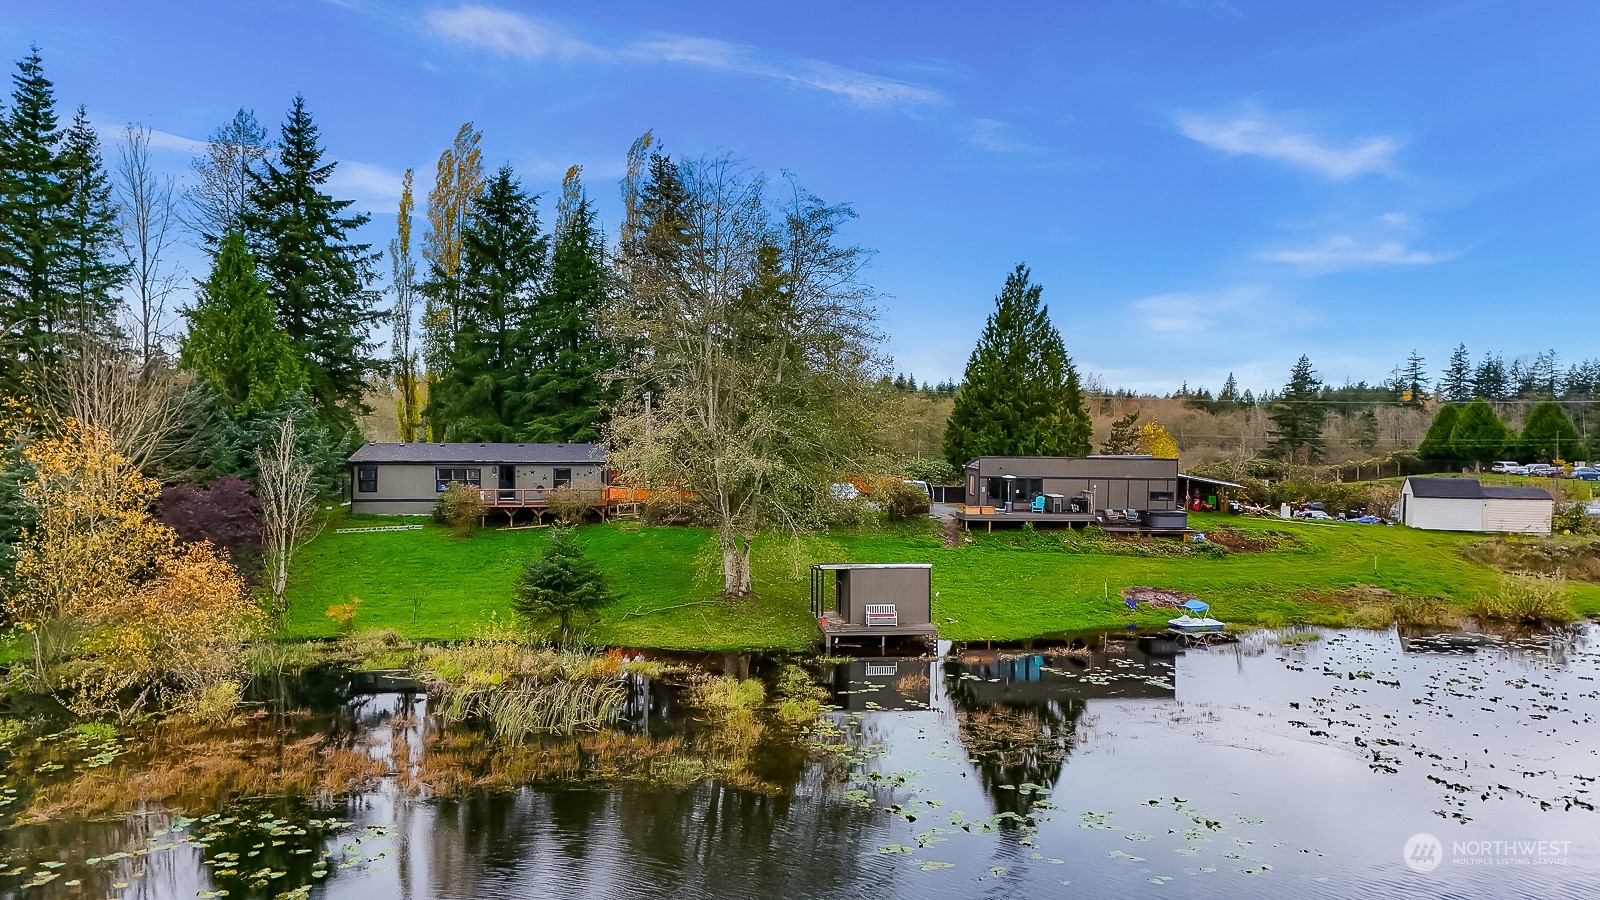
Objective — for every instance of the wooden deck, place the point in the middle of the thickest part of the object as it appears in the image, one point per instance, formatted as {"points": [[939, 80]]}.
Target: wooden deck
{"points": [[1076, 520], [834, 631]]}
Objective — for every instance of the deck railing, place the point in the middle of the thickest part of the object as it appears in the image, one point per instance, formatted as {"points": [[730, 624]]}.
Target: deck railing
{"points": [[530, 497]]}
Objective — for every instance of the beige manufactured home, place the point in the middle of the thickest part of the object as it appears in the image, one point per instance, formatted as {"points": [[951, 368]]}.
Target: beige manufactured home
{"points": [[407, 479], [1464, 504]]}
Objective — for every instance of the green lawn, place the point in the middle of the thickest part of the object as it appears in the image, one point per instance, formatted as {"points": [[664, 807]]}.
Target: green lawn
{"points": [[667, 579]]}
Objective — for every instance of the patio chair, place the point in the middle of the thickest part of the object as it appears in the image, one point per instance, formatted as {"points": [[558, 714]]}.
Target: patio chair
{"points": [[1113, 515], [1132, 515], [1038, 504]]}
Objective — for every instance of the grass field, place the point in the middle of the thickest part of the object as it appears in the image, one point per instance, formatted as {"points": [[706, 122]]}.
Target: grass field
{"points": [[431, 584]]}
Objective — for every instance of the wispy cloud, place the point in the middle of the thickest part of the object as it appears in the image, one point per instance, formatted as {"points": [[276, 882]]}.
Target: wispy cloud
{"points": [[1256, 134], [1239, 310], [112, 133], [368, 185], [1341, 251], [1002, 137], [524, 37]]}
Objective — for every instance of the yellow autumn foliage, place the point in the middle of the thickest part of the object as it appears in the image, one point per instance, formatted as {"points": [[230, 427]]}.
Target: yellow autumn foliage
{"points": [[122, 615], [1155, 440]]}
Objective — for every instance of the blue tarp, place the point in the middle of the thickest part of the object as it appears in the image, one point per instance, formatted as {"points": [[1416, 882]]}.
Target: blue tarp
{"points": [[1195, 606]]}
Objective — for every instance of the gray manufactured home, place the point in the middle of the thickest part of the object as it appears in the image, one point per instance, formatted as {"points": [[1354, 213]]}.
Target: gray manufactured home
{"points": [[407, 479]]}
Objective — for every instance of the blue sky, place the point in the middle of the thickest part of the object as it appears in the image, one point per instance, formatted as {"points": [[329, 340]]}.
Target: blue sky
{"points": [[1201, 187]]}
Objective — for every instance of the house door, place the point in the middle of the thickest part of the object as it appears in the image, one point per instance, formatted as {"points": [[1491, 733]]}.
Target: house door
{"points": [[508, 477]]}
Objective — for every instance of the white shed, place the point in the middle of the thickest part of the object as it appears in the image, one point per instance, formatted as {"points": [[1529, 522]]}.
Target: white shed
{"points": [[1463, 504]]}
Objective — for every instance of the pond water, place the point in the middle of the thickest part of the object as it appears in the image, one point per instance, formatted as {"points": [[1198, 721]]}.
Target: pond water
{"points": [[1101, 765]]}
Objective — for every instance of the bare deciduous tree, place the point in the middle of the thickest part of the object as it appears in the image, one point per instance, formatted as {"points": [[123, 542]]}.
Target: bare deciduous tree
{"points": [[288, 509], [110, 389], [147, 212], [756, 338], [218, 199]]}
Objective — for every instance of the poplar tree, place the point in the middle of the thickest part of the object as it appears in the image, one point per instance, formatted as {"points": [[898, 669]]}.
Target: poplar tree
{"points": [[567, 396], [403, 319], [481, 394], [89, 273], [32, 225], [1297, 416], [234, 344], [458, 181], [318, 278], [1021, 395]]}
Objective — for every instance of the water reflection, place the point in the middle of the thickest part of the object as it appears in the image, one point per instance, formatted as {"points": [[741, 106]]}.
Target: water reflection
{"points": [[991, 771]]}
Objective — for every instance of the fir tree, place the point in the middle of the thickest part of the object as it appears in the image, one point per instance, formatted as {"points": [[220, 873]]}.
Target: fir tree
{"points": [[1549, 435], [1297, 416], [89, 274], [561, 583], [1021, 395], [234, 344], [1456, 384], [1229, 395], [33, 196], [567, 398], [1124, 436], [1411, 383], [316, 276], [1490, 380], [1436, 444], [482, 393], [1479, 435]]}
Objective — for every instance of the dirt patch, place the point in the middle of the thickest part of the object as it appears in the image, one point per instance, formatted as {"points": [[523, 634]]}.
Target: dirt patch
{"points": [[1238, 541], [1166, 599], [1575, 561]]}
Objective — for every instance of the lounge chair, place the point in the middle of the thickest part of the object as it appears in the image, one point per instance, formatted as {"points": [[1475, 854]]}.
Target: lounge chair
{"points": [[1113, 515], [1038, 504]]}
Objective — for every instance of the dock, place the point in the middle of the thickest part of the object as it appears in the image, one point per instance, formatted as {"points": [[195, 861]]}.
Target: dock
{"points": [[835, 629]]}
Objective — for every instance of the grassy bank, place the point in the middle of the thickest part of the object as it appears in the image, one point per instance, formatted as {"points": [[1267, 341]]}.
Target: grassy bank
{"points": [[431, 584]]}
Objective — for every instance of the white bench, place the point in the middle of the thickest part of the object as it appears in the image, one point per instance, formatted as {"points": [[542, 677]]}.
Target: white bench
{"points": [[882, 614]]}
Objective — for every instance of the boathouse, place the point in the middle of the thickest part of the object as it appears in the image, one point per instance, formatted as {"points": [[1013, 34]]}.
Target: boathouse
{"points": [[872, 601]]}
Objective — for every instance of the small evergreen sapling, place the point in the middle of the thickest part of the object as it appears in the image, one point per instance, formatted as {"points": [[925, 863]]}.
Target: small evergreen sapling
{"points": [[561, 582]]}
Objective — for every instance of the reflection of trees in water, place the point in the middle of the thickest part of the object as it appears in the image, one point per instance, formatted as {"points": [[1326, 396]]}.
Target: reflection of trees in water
{"points": [[1014, 742]]}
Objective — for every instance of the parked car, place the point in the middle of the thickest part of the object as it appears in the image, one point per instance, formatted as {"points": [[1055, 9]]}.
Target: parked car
{"points": [[1586, 473], [1506, 467], [926, 488], [1519, 470], [1543, 470]]}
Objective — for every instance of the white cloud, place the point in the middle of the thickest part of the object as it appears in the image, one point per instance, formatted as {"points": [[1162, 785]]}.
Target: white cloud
{"points": [[370, 186], [1341, 251], [1239, 311], [112, 133], [1254, 134], [525, 37], [1002, 137]]}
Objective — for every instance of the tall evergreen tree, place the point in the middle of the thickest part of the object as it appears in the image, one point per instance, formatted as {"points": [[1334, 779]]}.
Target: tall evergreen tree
{"points": [[1411, 382], [317, 276], [1479, 435], [567, 398], [1021, 395], [1124, 436], [482, 393], [90, 272], [1229, 396], [33, 197], [1297, 416], [1490, 381], [1436, 444], [1456, 383], [1549, 435], [234, 344]]}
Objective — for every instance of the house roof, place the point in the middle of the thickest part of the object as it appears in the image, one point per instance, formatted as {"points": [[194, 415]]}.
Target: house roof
{"points": [[839, 567], [479, 453], [1470, 489], [1204, 480]]}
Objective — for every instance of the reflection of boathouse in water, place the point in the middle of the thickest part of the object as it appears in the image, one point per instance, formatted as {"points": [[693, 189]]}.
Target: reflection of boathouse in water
{"points": [[884, 684]]}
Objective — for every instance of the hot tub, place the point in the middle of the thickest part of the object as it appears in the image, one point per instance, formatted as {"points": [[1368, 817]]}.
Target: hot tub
{"points": [[1166, 518]]}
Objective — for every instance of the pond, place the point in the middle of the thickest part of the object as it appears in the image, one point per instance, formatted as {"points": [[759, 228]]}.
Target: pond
{"points": [[1349, 764]]}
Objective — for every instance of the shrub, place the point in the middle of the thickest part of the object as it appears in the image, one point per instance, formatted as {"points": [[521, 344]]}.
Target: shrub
{"points": [[900, 500], [216, 703], [569, 505], [1572, 518], [344, 614], [228, 514], [460, 507], [1526, 599]]}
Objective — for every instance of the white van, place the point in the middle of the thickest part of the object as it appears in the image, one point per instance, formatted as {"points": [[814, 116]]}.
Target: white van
{"points": [[1505, 467]]}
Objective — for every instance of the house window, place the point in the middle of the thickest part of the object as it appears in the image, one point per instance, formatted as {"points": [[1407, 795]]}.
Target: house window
{"points": [[367, 479], [443, 478], [1159, 496], [563, 479]]}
